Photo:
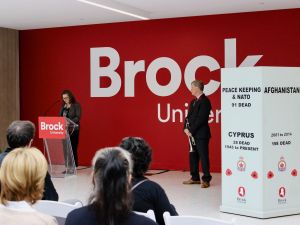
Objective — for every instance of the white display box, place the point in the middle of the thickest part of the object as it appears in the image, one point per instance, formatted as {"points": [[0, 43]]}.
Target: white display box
{"points": [[260, 125]]}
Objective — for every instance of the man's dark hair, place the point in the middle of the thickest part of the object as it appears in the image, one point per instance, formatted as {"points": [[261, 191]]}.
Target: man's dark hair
{"points": [[141, 154], [19, 133]]}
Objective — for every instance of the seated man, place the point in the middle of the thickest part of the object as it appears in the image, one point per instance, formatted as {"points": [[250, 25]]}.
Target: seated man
{"points": [[20, 134]]}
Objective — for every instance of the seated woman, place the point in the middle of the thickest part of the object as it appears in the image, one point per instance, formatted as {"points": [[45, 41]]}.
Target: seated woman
{"points": [[110, 202], [147, 194], [22, 176]]}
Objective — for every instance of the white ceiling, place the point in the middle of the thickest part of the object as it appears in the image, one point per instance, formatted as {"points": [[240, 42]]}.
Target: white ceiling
{"points": [[33, 14]]}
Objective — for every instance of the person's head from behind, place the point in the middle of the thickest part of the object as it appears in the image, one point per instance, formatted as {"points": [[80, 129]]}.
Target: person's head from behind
{"points": [[111, 198], [141, 154], [20, 133], [22, 175], [68, 97]]}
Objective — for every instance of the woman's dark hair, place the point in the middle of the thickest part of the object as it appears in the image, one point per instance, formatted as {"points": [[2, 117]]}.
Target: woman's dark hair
{"points": [[70, 94], [141, 154], [111, 199]]}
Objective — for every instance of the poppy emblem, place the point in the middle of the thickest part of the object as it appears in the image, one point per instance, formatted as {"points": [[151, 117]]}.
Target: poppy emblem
{"points": [[294, 173], [270, 175], [228, 172], [254, 175]]}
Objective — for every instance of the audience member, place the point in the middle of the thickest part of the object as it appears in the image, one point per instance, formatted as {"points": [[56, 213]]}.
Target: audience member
{"points": [[110, 202], [146, 193], [22, 176], [20, 133]]}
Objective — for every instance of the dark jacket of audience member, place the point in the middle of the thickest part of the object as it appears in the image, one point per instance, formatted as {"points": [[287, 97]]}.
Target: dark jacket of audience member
{"points": [[110, 203], [20, 134], [146, 193]]}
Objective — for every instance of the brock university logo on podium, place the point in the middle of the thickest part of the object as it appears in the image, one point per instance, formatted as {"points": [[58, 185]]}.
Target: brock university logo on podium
{"points": [[55, 132]]}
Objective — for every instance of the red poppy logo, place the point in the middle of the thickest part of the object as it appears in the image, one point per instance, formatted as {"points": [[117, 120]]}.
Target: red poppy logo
{"points": [[294, 173], [281, 192], [254, 174], [228, 172], [241, 191], [270, 175]]}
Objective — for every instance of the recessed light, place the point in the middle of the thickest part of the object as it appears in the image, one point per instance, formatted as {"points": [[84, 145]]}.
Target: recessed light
{"points": [[112, 9]]}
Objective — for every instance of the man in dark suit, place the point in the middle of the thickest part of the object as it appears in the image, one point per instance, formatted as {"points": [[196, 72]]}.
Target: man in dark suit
{"points": [[197, 129], [20, 133]]}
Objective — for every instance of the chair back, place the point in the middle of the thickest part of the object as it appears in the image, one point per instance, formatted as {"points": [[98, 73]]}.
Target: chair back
{"points": [[193, 220], [59, 210], [149, 214]]}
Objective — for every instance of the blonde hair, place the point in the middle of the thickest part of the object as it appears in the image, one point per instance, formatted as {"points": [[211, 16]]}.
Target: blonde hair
{"points": [[22, 175]]}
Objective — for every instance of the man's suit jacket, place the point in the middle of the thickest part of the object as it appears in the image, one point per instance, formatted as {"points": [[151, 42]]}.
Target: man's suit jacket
{"points": [[197, 117]]}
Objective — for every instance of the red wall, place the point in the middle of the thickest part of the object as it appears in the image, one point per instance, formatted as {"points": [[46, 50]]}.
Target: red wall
{"points": [[55, 59]]}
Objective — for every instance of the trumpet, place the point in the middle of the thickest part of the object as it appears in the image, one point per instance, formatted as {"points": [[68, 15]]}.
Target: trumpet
{"points": [[191, 138]]}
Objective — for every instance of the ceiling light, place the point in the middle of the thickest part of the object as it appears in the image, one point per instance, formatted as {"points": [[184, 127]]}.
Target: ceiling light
{"points": [[112, 9]]}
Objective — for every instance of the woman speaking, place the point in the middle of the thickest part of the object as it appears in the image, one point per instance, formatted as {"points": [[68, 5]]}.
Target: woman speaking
{"points": [[71, 109]]}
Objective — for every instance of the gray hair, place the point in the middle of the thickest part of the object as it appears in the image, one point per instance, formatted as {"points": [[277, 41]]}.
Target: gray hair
{"points": [[19, 133], [199, 84], [107, 152]]}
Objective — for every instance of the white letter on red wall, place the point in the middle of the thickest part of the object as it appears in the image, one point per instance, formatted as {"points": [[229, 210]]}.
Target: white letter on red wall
{"points": [[173, 85], [230, 56], [131, 69], [109, 71], [196, 63]]}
